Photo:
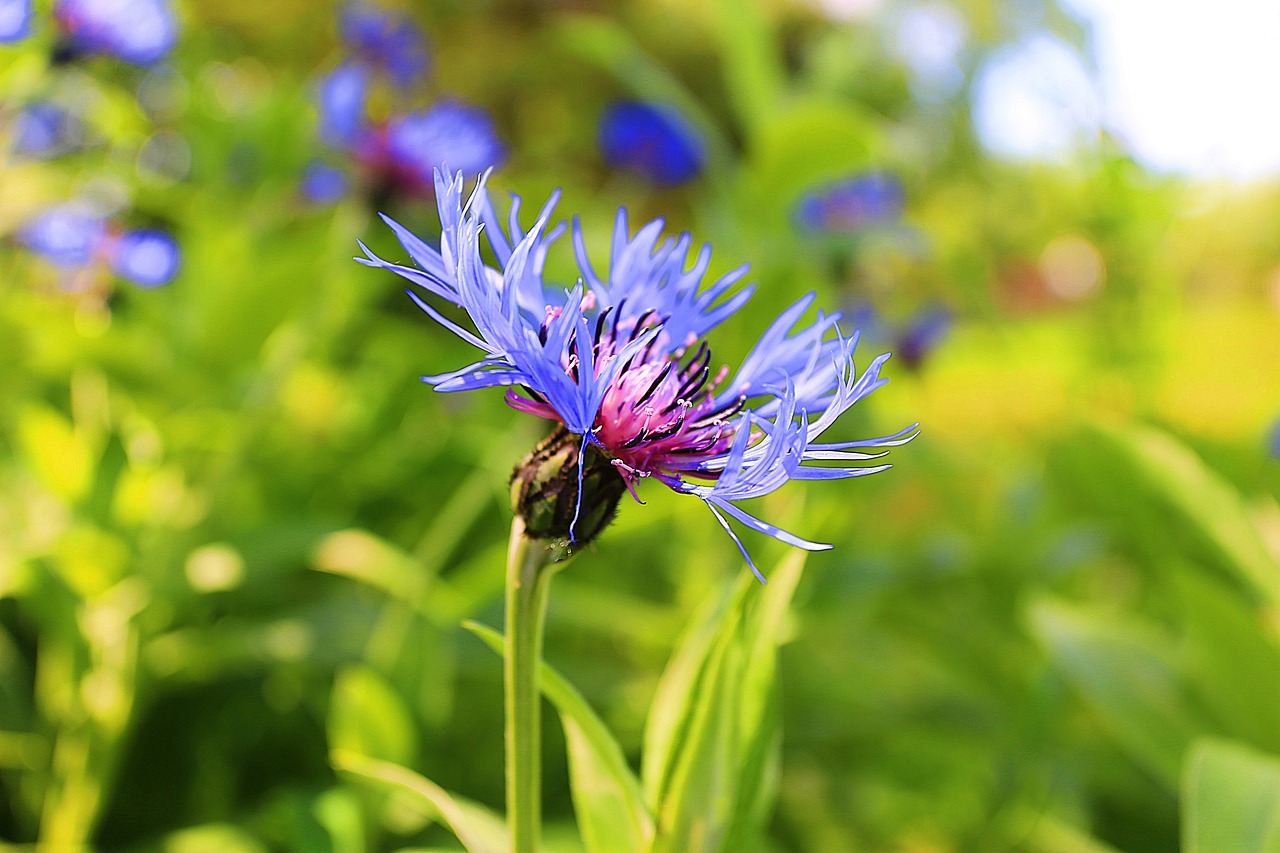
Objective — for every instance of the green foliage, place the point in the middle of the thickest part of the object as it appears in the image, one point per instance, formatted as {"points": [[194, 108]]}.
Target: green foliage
{"points": [[1233, 800], [239, 541]]}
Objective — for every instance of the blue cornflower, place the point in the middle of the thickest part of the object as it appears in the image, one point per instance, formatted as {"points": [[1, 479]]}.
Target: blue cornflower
{"points": [[67, 236], [400, 153], [852, 204], [137, 31], [15, 20], [44, 129], [652, 140], [386, 41], [72, 237], [619, 360]]}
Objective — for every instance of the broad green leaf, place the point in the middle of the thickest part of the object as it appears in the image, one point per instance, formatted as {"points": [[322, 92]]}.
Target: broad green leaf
{"points": [[1205, 504], [479, 830], [367, 717], [1126, 677], [1234, 660], [1231, 800], [606, 795]]}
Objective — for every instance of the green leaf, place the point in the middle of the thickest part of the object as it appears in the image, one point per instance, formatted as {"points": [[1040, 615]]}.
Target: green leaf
{"points": [[1205, 505], [723, 745], [211, 836], [606, 794], [671, 708], [1125, 676], [367, 717], [1231, 800], [479, 830], [1234, 661], [752, 61]]}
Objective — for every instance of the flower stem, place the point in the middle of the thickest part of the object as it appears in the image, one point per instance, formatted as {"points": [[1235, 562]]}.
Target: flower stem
{"points": [[528, 577]]}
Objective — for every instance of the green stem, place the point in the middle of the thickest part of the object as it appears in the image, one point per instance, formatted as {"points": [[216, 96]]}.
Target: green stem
{"points": [[528, 578]]}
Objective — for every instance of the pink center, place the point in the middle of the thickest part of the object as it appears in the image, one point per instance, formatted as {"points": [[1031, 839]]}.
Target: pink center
{"points": [[658, 416]]}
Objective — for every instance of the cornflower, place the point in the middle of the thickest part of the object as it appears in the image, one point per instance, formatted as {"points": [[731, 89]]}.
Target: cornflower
{"points": [[619, 361], [653, 140], [398, 154], [852, 204], [140, 32], [74, 238]]}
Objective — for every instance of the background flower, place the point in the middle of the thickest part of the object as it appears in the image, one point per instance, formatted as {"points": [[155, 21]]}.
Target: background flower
{"points": [[652, 140], [140, 32]]}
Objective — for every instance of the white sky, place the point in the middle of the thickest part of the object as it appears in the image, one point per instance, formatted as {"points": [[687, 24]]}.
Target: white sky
{"points": [[1191, 86]]}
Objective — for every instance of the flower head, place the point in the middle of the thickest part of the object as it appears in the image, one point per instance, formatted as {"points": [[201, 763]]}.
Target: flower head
{"points": [[137, 31], [73, 237], [852, 204], [400, 153], [385, 41], [1273, 439], [619, 359], [653, 140], [15, 20]]}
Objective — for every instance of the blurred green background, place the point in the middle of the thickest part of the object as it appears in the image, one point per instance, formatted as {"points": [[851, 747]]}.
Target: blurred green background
{"points": [[236, 531]]}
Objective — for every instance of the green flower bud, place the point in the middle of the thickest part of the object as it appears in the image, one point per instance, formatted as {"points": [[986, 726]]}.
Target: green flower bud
{"points": [[544, 490]]}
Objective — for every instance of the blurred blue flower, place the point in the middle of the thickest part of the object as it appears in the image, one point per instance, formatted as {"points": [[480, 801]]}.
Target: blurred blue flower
{"points": [[1273, 440], [386, 41], [15, 20], [67, 236], [620, 360], [322, 183], [45, 129], [914, 339], [920, 335], [851, 205], [146, 257], [448, 134], [72, 237], [399, 154], [136, 31], [653, 140], [343, 95]]}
